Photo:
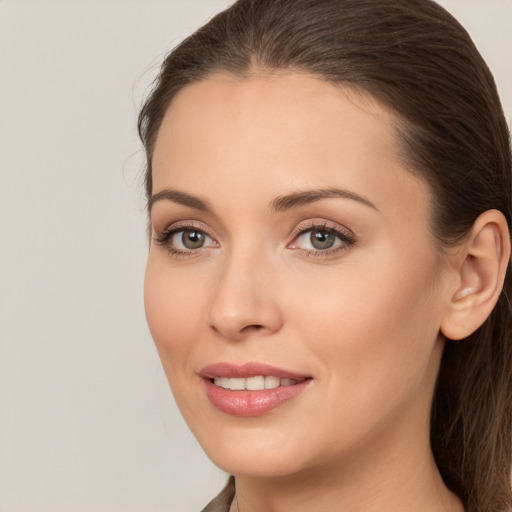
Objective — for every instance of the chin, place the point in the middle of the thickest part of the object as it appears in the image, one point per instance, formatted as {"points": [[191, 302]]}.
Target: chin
{"points": [[262, 454], [261, 466]]}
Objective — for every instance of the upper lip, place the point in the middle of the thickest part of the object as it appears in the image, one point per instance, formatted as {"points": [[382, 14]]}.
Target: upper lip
{"points": [[251, 369]]}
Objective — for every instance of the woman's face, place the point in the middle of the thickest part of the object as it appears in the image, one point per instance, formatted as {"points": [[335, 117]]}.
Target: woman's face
{"points": [[291, 248]]}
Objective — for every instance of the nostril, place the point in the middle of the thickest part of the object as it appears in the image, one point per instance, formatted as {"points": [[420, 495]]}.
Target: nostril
{"points": [[254, 327]]}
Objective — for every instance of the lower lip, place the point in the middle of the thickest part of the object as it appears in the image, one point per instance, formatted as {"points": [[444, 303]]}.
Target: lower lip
{"points": [[252, 403]]}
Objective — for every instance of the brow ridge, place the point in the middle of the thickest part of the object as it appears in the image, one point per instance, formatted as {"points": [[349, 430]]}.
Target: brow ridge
{"points": [[280, 204]]}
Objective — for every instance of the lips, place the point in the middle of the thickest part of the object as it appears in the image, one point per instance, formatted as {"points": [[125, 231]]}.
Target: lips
{"points": [[251, 389]]}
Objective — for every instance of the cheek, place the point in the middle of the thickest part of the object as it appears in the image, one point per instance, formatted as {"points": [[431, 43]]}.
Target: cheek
{"points": [[174, 304], [175, 311], [375, 326]]}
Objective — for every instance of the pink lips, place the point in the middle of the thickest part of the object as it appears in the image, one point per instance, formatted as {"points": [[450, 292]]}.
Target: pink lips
{"points": [[250, 402]]}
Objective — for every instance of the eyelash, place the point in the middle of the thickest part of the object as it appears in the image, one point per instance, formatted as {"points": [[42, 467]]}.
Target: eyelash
{"points": [[346, 239]]}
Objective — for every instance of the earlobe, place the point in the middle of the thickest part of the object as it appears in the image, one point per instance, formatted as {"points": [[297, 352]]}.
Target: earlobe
{"points": [[481, 264]]}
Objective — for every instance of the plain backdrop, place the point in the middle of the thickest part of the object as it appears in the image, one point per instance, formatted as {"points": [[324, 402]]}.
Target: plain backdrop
{"points": [[87, 422]]}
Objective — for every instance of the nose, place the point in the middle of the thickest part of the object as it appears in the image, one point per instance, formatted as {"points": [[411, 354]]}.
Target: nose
{"points": [[245, 301]]}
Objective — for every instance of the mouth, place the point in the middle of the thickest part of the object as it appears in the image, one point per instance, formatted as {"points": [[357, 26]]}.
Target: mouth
{"points": [[252, 389]]}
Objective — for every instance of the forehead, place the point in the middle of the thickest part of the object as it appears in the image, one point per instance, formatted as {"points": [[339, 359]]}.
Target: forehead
{"points": [[289, 108], [274, 132]]}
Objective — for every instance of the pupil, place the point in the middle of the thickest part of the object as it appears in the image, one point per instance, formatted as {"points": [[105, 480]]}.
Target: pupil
{"points": [[193, 239], [322, 239]]}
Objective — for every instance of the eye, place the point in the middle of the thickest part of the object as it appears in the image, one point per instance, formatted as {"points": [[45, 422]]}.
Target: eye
{"points": [[318, 239], [189, 239], [183, 240]]}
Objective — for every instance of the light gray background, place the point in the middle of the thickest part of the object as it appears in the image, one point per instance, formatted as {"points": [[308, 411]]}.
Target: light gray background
{"points": [[86, 419]]}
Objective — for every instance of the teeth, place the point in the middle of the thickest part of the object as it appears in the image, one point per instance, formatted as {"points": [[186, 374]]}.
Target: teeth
{"points": [[256, 383], [237, 384], [272, 382], [223, 382]]}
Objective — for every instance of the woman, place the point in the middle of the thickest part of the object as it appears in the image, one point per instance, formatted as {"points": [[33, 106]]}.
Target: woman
{"points": [[328, 187]]}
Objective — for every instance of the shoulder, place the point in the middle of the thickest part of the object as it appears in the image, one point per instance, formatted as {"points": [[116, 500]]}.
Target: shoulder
{"points": [[222, 502]]}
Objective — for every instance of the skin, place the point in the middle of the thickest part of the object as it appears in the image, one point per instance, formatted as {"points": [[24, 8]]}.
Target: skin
{"points": [[363, 321]]}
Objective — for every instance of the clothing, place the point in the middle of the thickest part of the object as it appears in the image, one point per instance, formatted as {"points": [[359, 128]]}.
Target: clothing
{"points": [[222, 502]]}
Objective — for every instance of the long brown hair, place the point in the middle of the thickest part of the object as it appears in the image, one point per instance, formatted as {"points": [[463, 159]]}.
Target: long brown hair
{"points": [[418, 60]]}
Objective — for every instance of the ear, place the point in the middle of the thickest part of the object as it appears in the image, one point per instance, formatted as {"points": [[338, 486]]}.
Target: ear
{"points": [[480, 263]]}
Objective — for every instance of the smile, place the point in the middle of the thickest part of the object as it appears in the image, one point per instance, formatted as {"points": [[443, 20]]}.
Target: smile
{"points": [[251, 389]]}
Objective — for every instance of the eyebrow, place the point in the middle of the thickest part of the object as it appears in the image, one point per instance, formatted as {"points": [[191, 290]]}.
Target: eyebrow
{"points": [[306, 197], [180, 198], [280, 204]]}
